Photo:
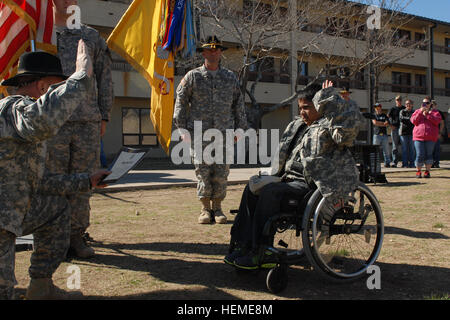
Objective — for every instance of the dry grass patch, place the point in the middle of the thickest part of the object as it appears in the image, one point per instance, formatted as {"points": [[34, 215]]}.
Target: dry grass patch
{"points": [[149, 246]]}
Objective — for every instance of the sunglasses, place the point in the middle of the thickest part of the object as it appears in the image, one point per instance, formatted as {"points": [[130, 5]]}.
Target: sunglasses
{"points": [[424, 104]]}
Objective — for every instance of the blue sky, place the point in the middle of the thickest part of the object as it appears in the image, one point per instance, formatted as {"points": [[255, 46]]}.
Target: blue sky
{"points": [[433, 9]]}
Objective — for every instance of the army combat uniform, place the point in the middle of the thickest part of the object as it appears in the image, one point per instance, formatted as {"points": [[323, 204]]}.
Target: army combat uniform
{"points": [[76, 147], [30, 201], [216, 101], [310, 157]]}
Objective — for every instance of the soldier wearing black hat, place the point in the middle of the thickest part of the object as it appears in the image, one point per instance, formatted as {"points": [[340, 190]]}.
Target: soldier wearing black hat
{"points": [[345, 93], [210, 94], [31, 203]]}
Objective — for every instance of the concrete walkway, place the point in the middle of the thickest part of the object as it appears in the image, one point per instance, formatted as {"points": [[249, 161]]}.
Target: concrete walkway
{"points": [[159, 179]]}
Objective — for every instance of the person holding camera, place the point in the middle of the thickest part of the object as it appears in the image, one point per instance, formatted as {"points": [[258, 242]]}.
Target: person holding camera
{"points": [[425, 134]]}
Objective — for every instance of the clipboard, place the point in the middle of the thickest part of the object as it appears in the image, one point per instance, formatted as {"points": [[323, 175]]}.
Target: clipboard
{"points": [[125, 160]]}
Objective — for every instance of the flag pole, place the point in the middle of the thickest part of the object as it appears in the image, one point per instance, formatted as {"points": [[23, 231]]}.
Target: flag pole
{"points": [[32, 40]]}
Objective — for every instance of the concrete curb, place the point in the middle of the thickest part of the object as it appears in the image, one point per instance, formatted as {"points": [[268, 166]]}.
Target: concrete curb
{"points": [[154, 179]]}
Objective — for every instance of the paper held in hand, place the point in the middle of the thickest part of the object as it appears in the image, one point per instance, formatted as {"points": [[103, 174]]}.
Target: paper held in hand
{"points": [[125, 160]]}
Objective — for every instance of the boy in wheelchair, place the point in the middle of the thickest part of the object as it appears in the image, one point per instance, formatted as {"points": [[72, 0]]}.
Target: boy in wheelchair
{"points": [[312, 154]]}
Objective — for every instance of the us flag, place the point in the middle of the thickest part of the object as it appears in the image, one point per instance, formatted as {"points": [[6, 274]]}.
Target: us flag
{"points": [[20, 22]]}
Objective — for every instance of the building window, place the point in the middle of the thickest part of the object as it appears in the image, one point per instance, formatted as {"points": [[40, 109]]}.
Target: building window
{"points": [[447, 87], [137, 128], [285, 72], [421, 84], [359, 82], [401, 34], [420, 38], [265, 67], [302, 73], [447, 45], [401, 82]]}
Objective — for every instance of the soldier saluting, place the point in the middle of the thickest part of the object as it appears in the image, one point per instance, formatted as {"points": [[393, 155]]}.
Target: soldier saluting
{"points": [[31, 202], [210, 94]]}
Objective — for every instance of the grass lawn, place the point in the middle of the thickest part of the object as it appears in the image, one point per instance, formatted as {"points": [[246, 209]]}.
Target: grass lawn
{"points": [[149, 246]]}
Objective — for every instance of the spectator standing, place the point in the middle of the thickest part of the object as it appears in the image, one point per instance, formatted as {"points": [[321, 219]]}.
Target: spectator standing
{"points": [[448, 122], [437, 146], [406, 138], [425, 134], [394, 120], [380, 136]]}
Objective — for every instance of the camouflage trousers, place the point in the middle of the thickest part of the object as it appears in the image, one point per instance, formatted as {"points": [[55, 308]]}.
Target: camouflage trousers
{"points": [[49, 222], [212, 180], [76, 149]]}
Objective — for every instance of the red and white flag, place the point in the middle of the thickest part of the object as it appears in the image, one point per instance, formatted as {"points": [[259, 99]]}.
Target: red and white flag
{"points": [[20, 22]]}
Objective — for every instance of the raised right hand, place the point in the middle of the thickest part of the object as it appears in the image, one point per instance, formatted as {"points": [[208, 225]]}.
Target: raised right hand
{"points": [[84, 62]]}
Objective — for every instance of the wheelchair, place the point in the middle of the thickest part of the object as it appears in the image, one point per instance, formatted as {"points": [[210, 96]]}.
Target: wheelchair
{"points": [[340, 244]]}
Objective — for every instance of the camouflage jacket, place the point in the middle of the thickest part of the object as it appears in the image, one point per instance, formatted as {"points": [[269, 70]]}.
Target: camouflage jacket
{"points": [[322, 152], [216, 101], [24, 125], [100, 99]]}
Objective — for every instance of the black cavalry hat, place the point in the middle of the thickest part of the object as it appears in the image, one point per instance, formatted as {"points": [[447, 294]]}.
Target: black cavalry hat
{"points": [[212, 43], [35, 64], [345, 90]]}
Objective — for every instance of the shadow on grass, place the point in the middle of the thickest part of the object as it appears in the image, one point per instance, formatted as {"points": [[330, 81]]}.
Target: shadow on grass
{"points": [[116, 198], [398, 281], [199, 248], [415, 234], [396, 184]]}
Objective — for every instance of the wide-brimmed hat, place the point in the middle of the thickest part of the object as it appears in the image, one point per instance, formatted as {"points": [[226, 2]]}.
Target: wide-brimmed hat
{"points": [[345, 90], [35, 64], [212, 43]]}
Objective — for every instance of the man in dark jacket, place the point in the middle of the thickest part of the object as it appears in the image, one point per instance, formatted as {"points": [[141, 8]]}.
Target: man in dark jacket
{"points": [[394, 121], [406, 131]]}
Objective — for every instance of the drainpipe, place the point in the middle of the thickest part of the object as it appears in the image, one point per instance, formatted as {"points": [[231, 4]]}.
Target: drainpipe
{"points": [[430, 69], [293, 59]]}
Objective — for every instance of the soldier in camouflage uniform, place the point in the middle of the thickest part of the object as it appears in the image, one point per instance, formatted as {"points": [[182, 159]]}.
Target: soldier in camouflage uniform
{"points": [[210, 94], [31, 202], [76, 148], [312, 154]]}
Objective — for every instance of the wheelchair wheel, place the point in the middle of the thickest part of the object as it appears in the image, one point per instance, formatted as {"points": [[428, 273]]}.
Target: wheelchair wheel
{"points": [[286, 239], [342, 244], [277, 279]]}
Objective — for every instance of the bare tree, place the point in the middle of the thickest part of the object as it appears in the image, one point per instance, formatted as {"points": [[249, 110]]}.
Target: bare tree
{"points": [[336, 31]]}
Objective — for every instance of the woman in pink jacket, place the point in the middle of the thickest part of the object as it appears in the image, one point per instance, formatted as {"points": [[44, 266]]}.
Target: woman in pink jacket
{"points": [[425, 133]]}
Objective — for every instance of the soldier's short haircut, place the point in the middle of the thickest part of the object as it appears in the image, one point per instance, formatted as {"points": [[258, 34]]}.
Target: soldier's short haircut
{"points": [[310, 92]]}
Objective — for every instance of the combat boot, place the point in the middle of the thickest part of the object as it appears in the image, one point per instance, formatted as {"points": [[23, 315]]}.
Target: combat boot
{"points": [[218, 213], [79, 248], [44, 289], [205, 214]]}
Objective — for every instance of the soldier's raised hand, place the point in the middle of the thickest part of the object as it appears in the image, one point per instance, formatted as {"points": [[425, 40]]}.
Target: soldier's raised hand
{"points": [[84, 61], [327, 84]]}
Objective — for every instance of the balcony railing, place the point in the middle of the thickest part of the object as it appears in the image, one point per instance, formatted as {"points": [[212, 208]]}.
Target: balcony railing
{"points": [[402, 88], [352, 84], [441, 49], [442, 92]]}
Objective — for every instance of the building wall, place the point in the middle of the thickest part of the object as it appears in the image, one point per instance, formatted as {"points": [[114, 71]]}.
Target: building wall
{"points": [[131, 89]]}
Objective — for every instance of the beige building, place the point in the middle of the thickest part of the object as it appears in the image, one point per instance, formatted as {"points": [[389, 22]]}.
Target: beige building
{"points": [[130, 124]]}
